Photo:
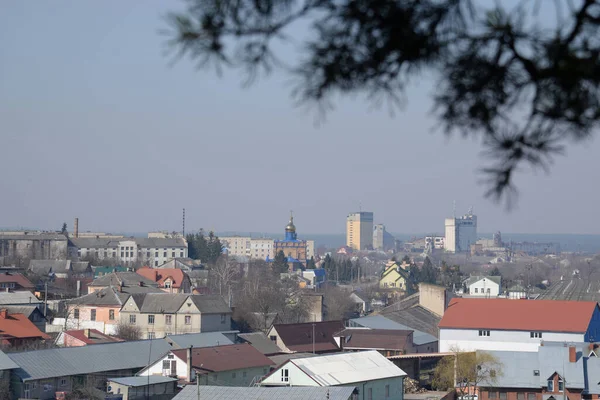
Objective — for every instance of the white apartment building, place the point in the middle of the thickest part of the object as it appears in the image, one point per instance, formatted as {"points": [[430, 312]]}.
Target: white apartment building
{"points": [[152, 251], [259, 248], [516, 325], [460, 233], [238, 246]]}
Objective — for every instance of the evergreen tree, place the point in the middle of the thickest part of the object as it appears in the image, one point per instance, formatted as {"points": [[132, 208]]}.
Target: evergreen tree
{"points": [[429, 273], [311, 264], [64, 228], [406, 260], [280, 264], [495, 272], [214, 248]]}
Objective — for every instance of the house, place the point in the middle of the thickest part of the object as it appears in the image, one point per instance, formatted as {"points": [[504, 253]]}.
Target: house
{"points": [[503, 324], [81, 269], [141, 388], [42, 373], [229, 365], [363, 304], [51, 268], [186, 264], [6, 367], [83, 337], [24, 298], [388, 342], [203, 339], [170, 280], [554, 372], [101, 271], [372, 374], [161, 314], [32, 313], [17, 330], [315, 277], [126, 282], [483, 286], [393, 277], [98, 310], [314, 337], [422, 342], [260, 342], [190, 392], [15, 281]]}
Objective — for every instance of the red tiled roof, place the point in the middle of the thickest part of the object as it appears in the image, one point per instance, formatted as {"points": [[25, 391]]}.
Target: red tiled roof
{"points": [[298, 337], [159, 275], [18, 326], [521, 315], [94, 337], [19, 279], [225, 358]]}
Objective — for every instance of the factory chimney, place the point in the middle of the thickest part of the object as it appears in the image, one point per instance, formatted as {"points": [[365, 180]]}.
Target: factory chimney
{"points": [[76, 228]]}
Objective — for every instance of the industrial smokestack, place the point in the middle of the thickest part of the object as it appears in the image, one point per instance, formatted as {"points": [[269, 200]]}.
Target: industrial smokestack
{"points": [[76, 228]]}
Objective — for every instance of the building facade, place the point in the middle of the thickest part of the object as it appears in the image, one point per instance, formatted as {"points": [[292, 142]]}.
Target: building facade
{"points": [[483, 286], [294, 249], [359, 230], [461, 233], [33, 246]]}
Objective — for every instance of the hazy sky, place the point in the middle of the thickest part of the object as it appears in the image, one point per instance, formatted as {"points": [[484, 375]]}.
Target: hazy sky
{"points": [[95, 123]]}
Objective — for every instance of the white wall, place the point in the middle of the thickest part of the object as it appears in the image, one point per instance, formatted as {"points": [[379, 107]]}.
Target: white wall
{"points": [[156, 368], [469, 340], [482, 287], [297, 377]]}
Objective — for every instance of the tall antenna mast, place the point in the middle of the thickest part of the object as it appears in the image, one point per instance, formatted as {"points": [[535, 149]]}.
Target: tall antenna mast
{"points": [[454, 208], [183, 230], [360, 206]]}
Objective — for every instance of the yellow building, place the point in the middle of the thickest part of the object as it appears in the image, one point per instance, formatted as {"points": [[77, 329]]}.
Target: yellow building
{"points": [[359, 230], [393, 277], [294, 249]]}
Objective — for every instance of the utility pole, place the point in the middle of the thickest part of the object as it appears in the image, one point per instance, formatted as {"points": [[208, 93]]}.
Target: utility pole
{"points": [[45, 298], [313, 337]]}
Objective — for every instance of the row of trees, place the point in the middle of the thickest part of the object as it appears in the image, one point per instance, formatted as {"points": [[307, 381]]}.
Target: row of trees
{"points": [[342, 270], [205, 248]]}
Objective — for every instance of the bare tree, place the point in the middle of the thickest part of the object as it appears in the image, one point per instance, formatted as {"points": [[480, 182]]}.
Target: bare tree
{"points": [[337, 303], [128, 332], [224, 272]]}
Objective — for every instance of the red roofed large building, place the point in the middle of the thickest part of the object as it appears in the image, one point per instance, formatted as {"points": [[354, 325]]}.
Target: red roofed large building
{"points": [[522, 325], [18, 330], [170, 280]]}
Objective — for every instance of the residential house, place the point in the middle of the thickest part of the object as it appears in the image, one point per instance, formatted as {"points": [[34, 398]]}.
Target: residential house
{"points": [[170, 280], [554, 372], [32, 313], [393, 277], [362, 301], [161, 314], [203, 339], [386, 341], [230, 365], [423, 342], [317, 337], [260, 342], [483, 286], [42, 373], [315, 277], [83, 337], [190, 392], [15, 282], [503, 324], [51, 268], [186, 264], [199, 281], [101, 271], [142, 388], [126, 282], [24, 298], [17, 330], [98, 310], [6, 367], [374, 376]]}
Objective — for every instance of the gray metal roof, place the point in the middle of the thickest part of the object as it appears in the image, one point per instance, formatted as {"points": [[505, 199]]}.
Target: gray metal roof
{"points": [[204, 339], [104, 297], [18, 298], [517, 369], [81, 266], [6, 362], [555, 359], [381, 322], [190, 392], [25, 310], [50, 363], [260, 342], [171, 302], [137, 381], [35, 236], [593, 370], [127, 278], [146, 243], [47, 266]]}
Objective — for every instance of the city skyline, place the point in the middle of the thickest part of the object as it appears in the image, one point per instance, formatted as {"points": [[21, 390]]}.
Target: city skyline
{"points": [[100, 125]]}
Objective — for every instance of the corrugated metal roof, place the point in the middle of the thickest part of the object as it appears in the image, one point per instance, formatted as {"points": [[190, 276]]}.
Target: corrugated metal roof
{"points": [[137, 381], [50, 363], [171, 302], [190, 392], [6, 362], [381, 322], [204, 339], [19, 298], [260, 342], [104, 297], [346, 368]]}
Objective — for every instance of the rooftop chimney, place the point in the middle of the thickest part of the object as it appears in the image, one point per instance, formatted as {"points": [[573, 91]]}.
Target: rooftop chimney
{"points": [[189, 364], [572, 354], [76, 228], [3, 313], [87, 333]]}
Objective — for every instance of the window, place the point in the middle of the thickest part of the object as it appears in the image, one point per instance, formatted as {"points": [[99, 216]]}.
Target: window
{"points": [[76, 313], [488, 290], [151, 335], [502, 396], [550, 385], [530, 396], [188, 320], [223, 318], [285, 375], [387, 391], [370, 394], [520, 396], [167, 319], [122, 254], [156, 254], [132, 319], [168, 284], [111, 314], [156, 263], [63, 382], [273, 338], [26, 390], [165, 254], [492, 395], [173, 254], [150, 319], [181, 254], [536, 335], [147, 254], [484, 333], [233, 375], [167, 365], [476, 290], [93, 314], [244, 374], [561, 385]]}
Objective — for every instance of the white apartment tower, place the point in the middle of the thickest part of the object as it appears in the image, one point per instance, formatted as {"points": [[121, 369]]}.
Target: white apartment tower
{"points": [[461, 233]]}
